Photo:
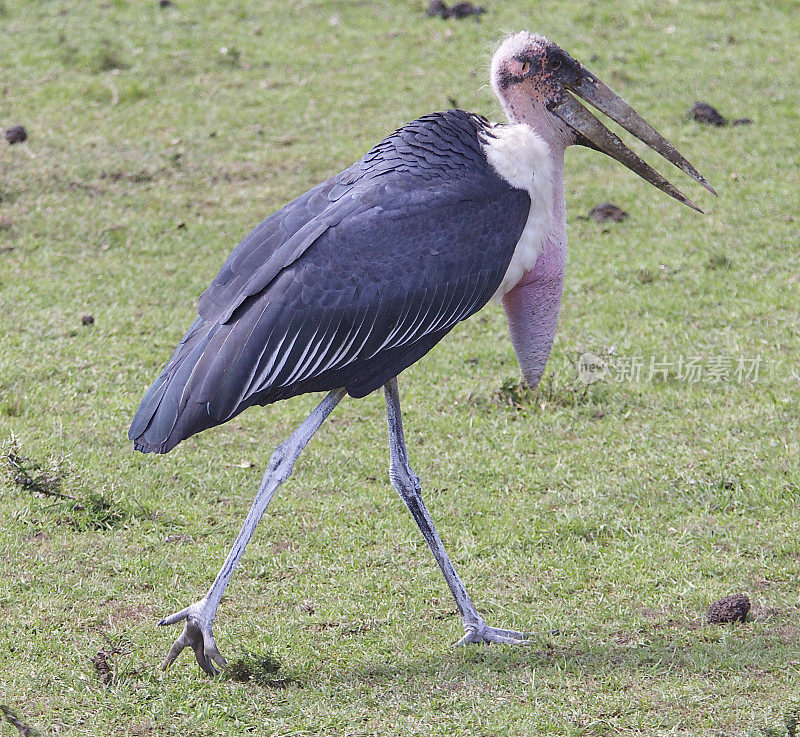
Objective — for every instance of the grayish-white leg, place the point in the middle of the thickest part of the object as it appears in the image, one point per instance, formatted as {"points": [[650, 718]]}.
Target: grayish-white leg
{"points": [[199, 616], [407, 484]]}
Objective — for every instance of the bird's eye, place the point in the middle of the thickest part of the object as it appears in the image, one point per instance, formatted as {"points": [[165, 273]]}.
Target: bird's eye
{"points": [[525, 67], [555, 63]]}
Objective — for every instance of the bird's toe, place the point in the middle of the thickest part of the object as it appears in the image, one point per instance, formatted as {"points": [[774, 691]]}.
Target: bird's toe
{"points": [[484, 634], [197, 634]]}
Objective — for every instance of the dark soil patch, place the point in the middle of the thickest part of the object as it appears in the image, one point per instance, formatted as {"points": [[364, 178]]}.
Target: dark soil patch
{"points": [[344, 628], [138, 177]]}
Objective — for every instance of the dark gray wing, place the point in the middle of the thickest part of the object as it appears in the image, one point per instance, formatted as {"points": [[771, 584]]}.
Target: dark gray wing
{"points": [[348, 285]]}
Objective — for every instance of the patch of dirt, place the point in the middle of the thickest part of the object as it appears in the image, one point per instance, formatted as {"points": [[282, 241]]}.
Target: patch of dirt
{"points": [[91, 189], [441, 615], [141, 729], [653, 613], [645, 276], [138, 177], [233, 174], [767, 612], [345, 628], [788, 634], [178, 539], [282, 545], [121, 613]]}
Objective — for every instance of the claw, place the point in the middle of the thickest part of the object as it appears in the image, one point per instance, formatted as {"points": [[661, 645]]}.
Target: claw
{"points": [[196, 634]]}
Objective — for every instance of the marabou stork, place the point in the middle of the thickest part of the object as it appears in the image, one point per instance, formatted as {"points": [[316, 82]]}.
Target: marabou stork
{"points": [[360, 277]]}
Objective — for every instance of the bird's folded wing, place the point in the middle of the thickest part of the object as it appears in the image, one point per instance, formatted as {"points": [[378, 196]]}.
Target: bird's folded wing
{"points": [[347, 285], [378, 282]]}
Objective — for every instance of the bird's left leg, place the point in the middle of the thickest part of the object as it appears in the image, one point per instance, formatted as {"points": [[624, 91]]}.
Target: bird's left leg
{"points": [[199, 616], [407, 484]]}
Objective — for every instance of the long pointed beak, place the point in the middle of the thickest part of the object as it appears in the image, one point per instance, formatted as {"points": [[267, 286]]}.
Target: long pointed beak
{"points": [[602, 97]]}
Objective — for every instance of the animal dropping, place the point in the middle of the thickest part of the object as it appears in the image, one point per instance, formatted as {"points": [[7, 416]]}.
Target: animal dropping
{"points": [[358, 278], [733, 608], [16, 134], [438, 9], [607, 211], [702, 112]]}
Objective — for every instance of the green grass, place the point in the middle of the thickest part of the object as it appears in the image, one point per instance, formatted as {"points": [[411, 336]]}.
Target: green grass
{"points": [[604, 519]]}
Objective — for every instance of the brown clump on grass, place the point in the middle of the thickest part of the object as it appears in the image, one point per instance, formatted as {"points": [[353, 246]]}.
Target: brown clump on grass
{"points": [[438, 9], [702, 112], [16, 134], [104, 671], [607, 211], [733, 608]]}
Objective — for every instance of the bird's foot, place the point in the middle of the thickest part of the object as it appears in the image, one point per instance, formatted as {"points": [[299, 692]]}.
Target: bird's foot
{"points": [[482, 633], [197, 635]]}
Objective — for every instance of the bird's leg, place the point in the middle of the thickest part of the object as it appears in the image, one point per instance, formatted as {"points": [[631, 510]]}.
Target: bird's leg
{"points": [[200, 616], [407, 484]]}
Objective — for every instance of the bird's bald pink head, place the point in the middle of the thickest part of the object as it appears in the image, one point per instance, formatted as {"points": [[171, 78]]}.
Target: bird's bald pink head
{"points": [[523, 79], [540, 84]]}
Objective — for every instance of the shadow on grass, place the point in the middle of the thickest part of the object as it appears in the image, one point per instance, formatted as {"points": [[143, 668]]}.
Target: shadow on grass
{"points": [[691, 650]]}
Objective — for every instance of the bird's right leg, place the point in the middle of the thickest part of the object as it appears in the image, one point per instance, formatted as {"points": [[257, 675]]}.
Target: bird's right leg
{"points": [[199, 616], [407, 485]]}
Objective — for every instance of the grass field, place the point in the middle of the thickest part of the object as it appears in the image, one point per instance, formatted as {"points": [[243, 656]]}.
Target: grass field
{"points": [[604, 519]]}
